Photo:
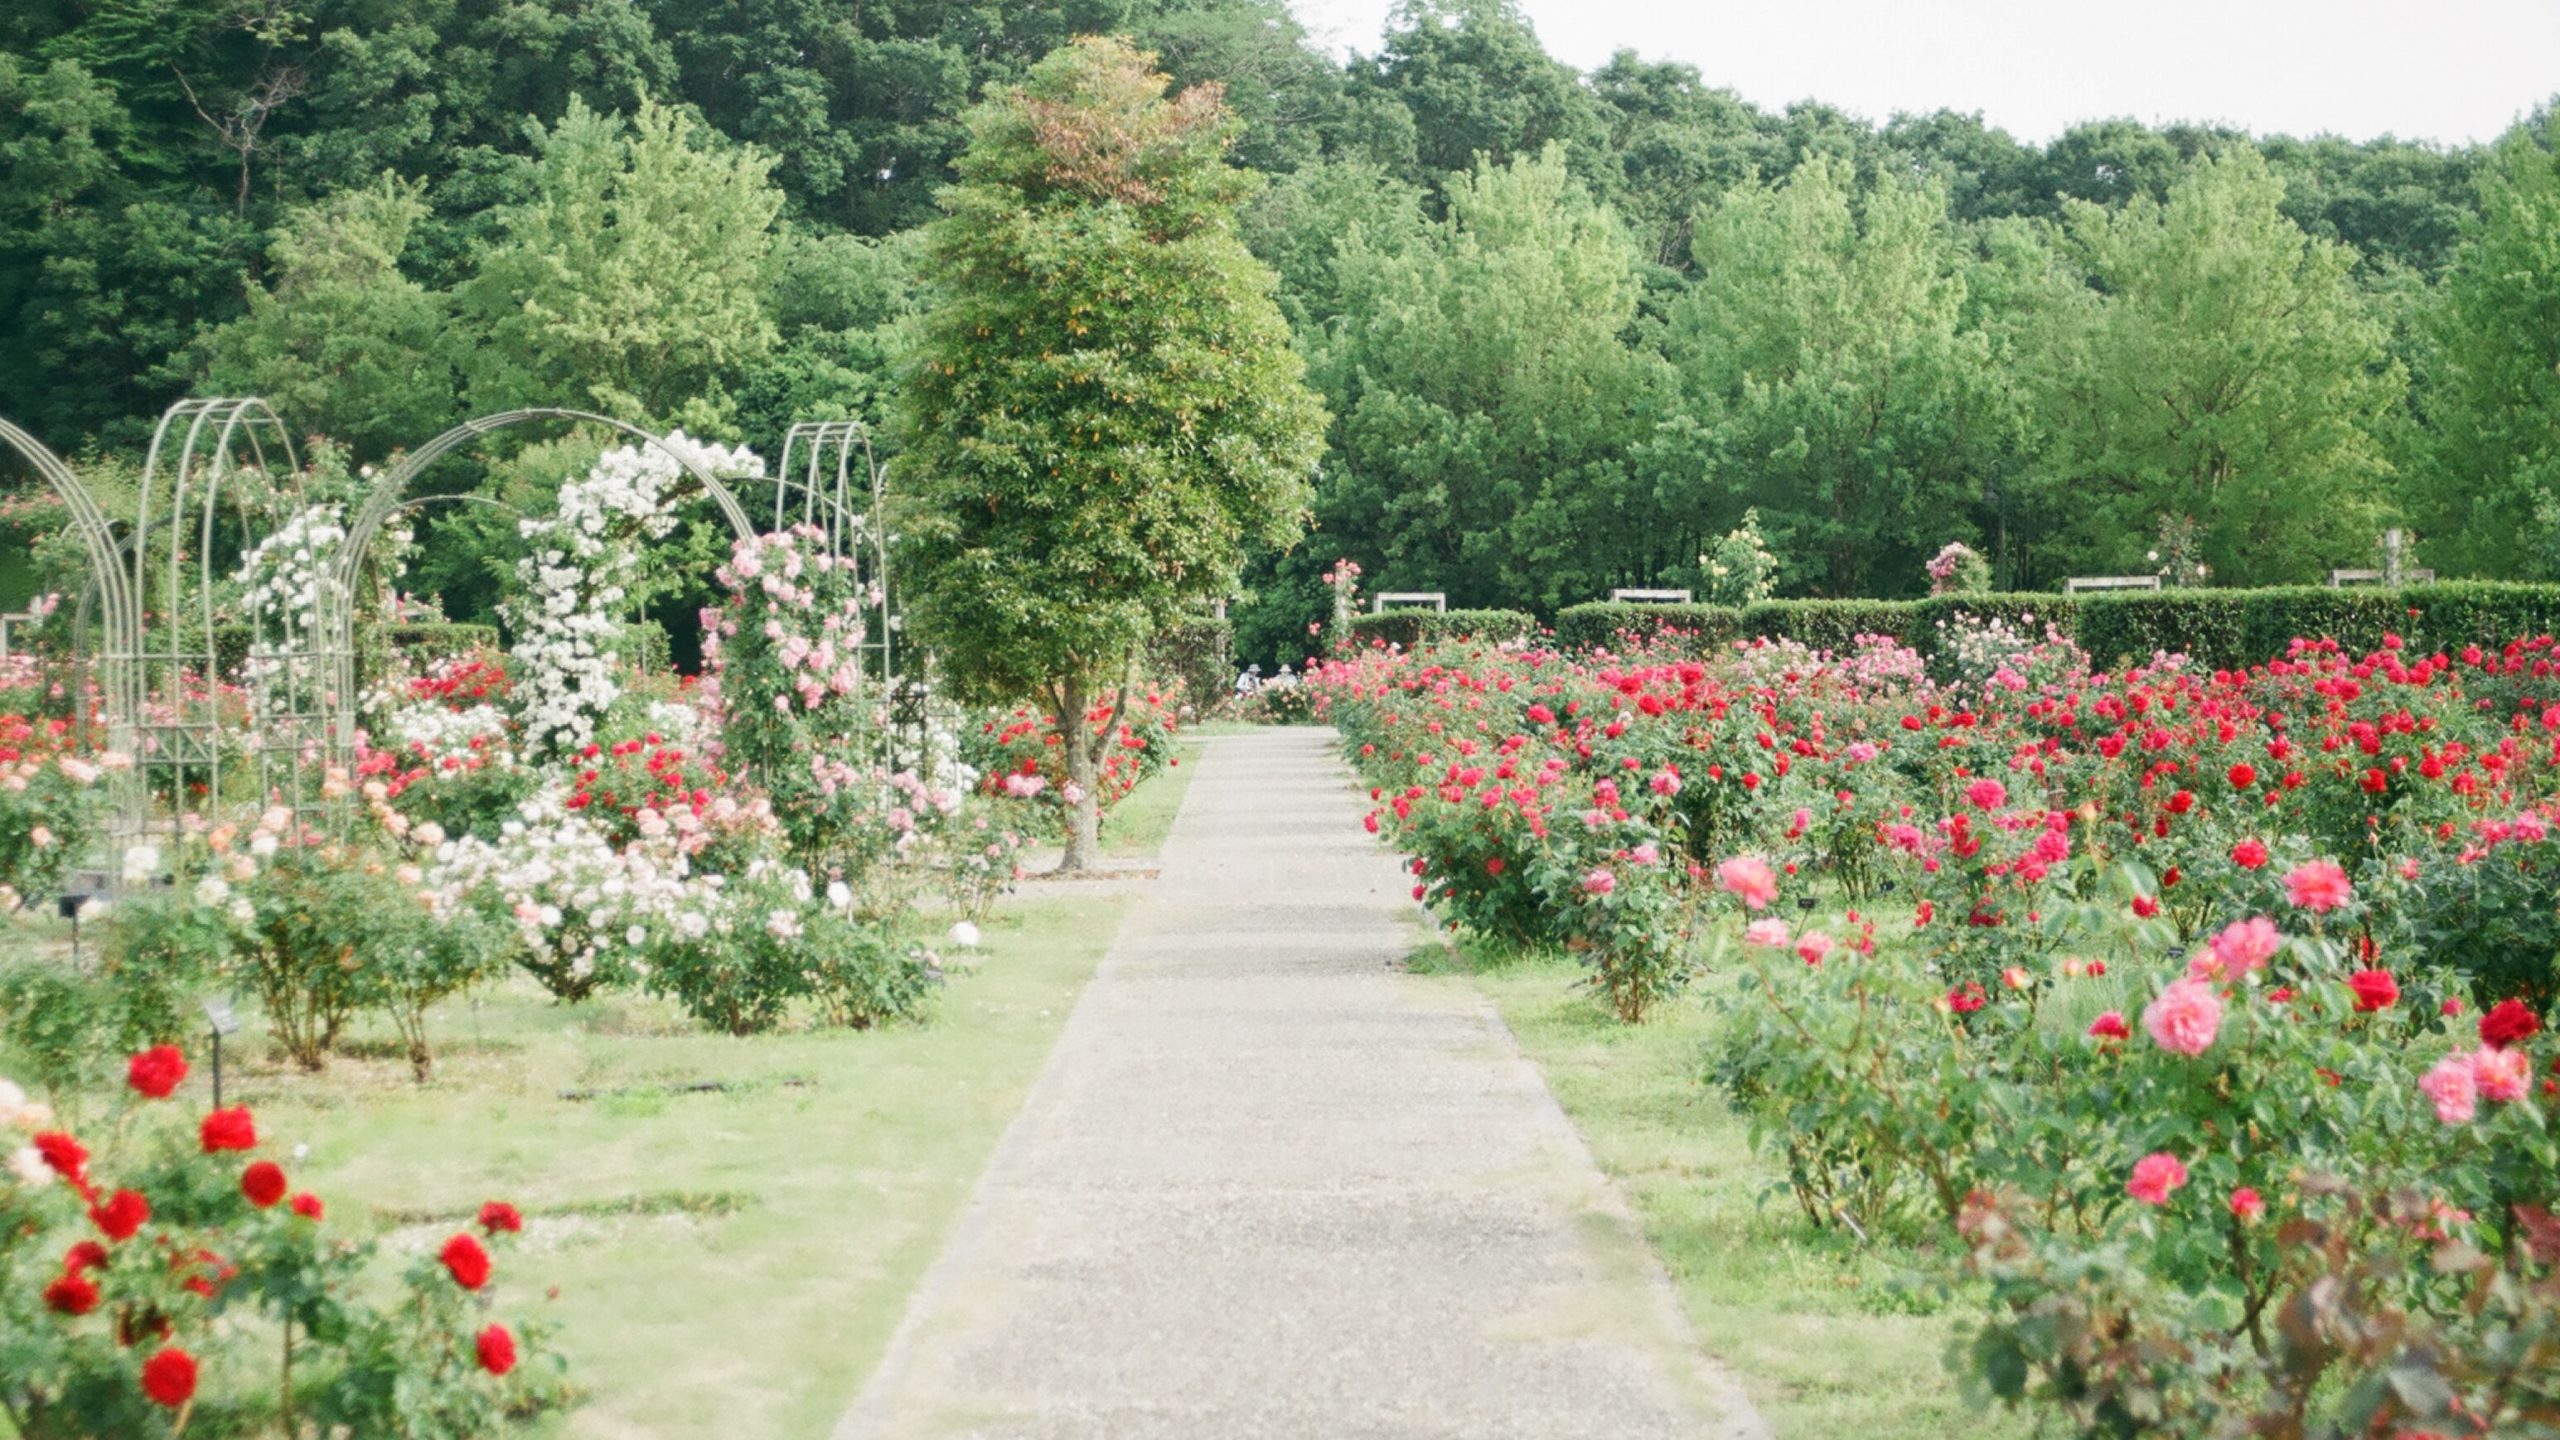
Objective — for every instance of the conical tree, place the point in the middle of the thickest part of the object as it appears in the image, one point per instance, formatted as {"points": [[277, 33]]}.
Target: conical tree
{"points": [[1106, 410]]}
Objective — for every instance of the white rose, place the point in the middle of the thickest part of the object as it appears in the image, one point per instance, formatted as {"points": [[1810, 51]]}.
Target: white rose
{"points": [[28, 1165], [212, 890], [964, 935]]}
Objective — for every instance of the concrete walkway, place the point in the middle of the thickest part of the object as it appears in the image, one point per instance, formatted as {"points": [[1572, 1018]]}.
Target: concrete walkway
{"points": [[1270, 1187]]}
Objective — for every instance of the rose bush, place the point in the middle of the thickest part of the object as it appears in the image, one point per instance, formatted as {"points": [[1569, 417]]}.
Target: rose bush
{"points": [[178, 1276], [2204, 1008]]}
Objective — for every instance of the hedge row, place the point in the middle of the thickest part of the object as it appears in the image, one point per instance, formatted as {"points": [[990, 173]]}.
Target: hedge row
{"points": [[1822, 624], [1411, 627], [2215, 627], [435, 638]]}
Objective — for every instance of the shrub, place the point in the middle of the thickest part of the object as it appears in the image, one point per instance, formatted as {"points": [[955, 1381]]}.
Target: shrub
{"points": [[1739, 570], [1410, 628], [171, 1279], [2246, 627], [1604, 625]]}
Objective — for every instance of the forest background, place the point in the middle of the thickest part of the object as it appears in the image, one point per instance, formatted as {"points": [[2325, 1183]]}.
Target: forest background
{"points": [[1569, 325]]}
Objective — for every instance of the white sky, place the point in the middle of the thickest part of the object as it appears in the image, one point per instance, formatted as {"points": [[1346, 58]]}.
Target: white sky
{"points": [[2445, 70]]}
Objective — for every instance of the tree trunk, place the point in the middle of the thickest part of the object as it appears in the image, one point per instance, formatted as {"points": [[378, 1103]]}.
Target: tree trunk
{"points": [[1084, 812]]}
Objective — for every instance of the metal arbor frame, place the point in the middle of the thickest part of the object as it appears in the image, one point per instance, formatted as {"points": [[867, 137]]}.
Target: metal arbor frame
{"points": [[389, 495], [293, 715], [829, 477], [155, 578]]}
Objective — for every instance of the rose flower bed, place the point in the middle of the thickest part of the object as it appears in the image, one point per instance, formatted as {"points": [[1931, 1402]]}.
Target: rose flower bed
{"points": [[2199, 1014]]}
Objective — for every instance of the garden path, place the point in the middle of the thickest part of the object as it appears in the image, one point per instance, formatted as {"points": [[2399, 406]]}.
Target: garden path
{"points": [[1268, 1186]]}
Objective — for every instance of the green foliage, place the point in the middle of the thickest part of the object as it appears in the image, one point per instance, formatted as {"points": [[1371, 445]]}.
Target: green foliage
{"points": [[1412, 628], [1106, 409], [1487, 399], [1738, 569], [1603, 624], [631, 278], [340, 339], [2241, 627], [1831, 383], [1197, 653], [2492, 496], [2201, 355]]}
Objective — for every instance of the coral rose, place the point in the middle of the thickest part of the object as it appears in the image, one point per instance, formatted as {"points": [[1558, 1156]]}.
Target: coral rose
{"points": [[2154, 1177], [1750, 880]]}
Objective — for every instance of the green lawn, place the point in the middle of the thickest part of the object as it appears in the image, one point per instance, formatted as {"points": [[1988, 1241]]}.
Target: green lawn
{"points": [[1829, 1336]]}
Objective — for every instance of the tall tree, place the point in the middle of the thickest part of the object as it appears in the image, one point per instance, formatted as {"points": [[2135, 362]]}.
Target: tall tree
{"points": [[1822, 351], [1493, 412], [343, 343], [2224, 366], [633, 278], [2491, 494], [1106, 408], [1477, 83]]}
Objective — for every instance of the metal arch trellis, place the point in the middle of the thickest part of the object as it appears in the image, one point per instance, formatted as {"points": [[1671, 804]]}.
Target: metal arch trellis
{"points": [[196, 740], [388, 495], [105, 551], [829, 477]]}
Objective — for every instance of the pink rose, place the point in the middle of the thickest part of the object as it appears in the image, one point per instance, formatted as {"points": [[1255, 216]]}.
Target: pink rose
{"points": [[2454, 1089], [1814, 946], [2318, 886], [1749, 878], [1771, 932], [2243, 947], [2154, 1176], [1987, 794], [1599, 882], [2501, 1075], [2185, 1018]]}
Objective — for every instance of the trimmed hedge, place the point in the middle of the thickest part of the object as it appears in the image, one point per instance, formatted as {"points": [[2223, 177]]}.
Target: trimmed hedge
{"points": [[1608, 625], [442, 637], [1410, 628], [1822, 624], [2250, 627], [2214, 627]]}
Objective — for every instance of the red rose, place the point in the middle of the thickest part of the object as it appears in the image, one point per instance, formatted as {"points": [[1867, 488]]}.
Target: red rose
{"points": [[2249, 855], [155, 1072], [2242, 776], [230, 1129], [2375, 989], [2507, 1022], [86, 1255], [263, 1183], [498, 1215], [68, 1157], [123, 1213], [497, 1350], [170, 1377], [468, 1263], [308, 1206], [2109, 1026], [72, 1294], [2145, 907]]}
